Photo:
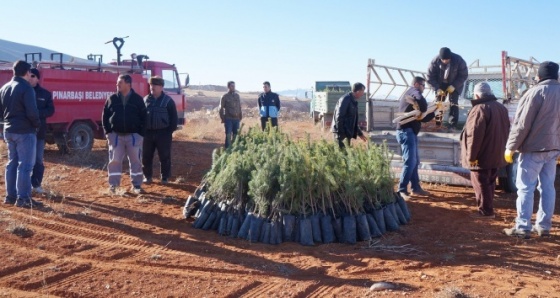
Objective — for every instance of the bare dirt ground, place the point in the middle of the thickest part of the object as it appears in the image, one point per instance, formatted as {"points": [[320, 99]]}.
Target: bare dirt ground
{"points": [[88, 243]]}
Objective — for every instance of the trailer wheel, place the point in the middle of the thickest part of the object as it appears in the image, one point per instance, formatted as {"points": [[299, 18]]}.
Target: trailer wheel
{"points": [[79, 138], [508, 182]]}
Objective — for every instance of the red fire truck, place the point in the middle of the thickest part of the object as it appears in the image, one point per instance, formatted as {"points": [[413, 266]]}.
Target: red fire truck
{"points": [[80, 89]]}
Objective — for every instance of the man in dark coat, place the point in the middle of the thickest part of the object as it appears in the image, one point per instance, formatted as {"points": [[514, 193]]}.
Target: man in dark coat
{"points": [[124, 124], [269, 106], [482, 145], [21, 120], [345, 119], [447, 74], [46, 109]]}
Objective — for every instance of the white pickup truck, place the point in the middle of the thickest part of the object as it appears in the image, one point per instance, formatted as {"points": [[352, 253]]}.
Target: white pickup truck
{"points": [[440, 151]]}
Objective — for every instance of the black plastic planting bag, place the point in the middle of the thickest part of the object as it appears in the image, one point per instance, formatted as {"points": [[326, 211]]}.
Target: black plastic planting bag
{"points": [[306, 233], [380, 220], [316, 226], [390, 222], [273, 238], [210, 220], [400, 215], [229, 222], [223, 226], [234, 226], [373, 229], [327, 230], [393, 210], [337, 227], [297, 232], [265, 233], [203, 201], [255, 229], [199, 190], [289, 222], [362, 227], [244, 229], [404, 207], [204, 214], [279, 231], [191, 206], [349, 229]]}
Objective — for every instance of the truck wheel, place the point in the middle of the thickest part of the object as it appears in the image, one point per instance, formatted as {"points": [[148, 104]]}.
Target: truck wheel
{"points": [[79, 138], [508, 182]]}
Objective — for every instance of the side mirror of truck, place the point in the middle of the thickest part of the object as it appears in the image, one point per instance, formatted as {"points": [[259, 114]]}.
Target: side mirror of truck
{"points": [[187, 81]]}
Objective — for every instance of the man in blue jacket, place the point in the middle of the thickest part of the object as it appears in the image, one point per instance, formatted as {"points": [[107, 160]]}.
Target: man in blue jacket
{"points": [[21, 120], [269, 106], [447, 74], [345, 119], [46, 109]]}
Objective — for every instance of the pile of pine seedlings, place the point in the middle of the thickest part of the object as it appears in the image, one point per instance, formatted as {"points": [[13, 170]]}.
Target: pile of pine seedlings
{"points": [[267, 188]]}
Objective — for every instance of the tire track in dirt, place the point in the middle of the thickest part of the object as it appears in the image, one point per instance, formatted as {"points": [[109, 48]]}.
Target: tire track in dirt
{"points": [[129, 251], [41, 276], [4, 274]]}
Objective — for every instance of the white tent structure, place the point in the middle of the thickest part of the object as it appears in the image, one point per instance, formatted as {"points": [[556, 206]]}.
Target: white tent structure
{"points": [[12, 51]]}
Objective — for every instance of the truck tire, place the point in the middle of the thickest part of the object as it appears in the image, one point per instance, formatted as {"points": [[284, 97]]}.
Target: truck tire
{"points": [[508, 182], [79, 138]]}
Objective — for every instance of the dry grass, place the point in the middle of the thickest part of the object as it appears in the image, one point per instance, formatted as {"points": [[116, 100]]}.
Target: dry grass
{"points": [[19, 229]]}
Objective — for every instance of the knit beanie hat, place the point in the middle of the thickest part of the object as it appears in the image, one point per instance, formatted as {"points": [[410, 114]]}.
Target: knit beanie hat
{"points": [[548, 70], [445, 53], [35, 71]]}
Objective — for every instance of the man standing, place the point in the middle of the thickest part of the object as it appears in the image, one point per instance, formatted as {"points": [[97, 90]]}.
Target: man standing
{"points": [[21, 120], [407, 136], [230, 112], [46, 109], [124, 121], [345, 118], [161, 122], [535, 134], [269, 106], [447, 73], [482, 145]]}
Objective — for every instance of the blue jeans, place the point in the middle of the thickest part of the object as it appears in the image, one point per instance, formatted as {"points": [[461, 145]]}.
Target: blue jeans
{"points": [[39, 168], [536, 167], [232, 126], [409, 145], [21, 158]]}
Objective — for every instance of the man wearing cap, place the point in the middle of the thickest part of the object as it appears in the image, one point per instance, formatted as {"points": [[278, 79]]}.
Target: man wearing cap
{"points": [[482, 145], [21, 120], [535, 134], [161, 122], [46, 109], [124, 123], [447, 74], [230, 112]]}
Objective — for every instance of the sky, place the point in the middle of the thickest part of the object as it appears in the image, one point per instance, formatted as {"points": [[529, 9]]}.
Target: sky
{"points": [[290, 43]]}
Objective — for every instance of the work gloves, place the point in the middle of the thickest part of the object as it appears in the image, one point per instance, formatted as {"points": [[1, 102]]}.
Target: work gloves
{"points": [[473, 164], [508, 155], [440, 92], [450, 89]]}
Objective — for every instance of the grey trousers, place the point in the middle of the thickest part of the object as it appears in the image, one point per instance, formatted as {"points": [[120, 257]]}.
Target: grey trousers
{"points": [[121, 145]]}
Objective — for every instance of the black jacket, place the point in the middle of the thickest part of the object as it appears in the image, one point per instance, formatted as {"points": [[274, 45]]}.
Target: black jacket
{"points": [[414, 95], [153, 103], [45, 106], [19, 107], [120, 118], [345, 119], [458, 73]]}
